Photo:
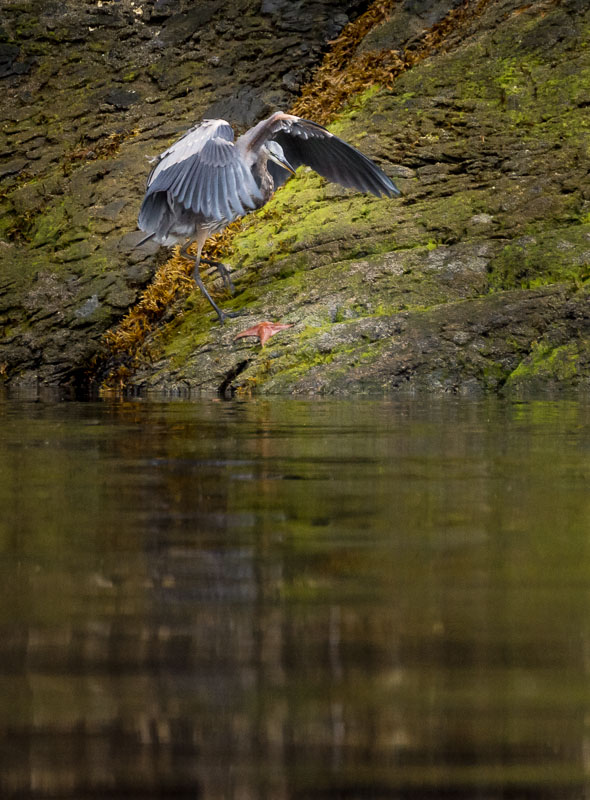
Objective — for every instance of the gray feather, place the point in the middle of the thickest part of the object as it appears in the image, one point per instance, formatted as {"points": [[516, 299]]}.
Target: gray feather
{"points": [[205, 179], [306, 142]]}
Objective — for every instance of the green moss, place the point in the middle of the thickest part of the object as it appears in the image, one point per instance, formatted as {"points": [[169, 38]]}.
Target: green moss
{"points": [[547, 364], [300, 219], [189, 329], [466, 121], [314, 250], [493, 375], [352, 111], [531, 89], [8, 220], [50, 225], [544, 256], [306, 351]]}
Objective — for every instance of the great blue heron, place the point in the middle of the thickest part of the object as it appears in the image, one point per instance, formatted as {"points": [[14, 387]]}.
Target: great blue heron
{"points": [[205, 180]]}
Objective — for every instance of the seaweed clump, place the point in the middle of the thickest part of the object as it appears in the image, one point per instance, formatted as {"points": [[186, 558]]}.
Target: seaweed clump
{"points": [[123, 342]]}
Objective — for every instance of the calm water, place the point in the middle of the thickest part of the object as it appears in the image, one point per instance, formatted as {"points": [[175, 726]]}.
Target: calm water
{"points": [[282, 599]]}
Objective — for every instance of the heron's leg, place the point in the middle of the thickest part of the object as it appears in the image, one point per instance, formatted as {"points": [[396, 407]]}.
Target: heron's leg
{"points": [[199, 281], [185, 253], [223, 271]]}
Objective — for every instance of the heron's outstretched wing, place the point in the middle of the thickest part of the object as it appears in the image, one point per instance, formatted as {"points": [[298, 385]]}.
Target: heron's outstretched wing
{"points": [[306, 142], [204, 172]]}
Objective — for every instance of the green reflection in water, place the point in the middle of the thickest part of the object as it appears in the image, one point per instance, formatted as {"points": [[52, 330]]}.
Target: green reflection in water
{"points": [[295, 599]]}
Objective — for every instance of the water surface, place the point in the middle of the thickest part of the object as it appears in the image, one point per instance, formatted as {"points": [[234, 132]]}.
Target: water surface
{"points": [[295, 599]]}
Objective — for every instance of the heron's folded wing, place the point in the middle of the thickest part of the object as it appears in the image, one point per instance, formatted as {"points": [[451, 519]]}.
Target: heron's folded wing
{"points": [[306, 142], [214, 181], [191, 143]]}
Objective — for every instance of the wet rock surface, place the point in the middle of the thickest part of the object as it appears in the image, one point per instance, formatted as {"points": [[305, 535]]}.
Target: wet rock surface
{"points": [[475, 280], [90, 91]]}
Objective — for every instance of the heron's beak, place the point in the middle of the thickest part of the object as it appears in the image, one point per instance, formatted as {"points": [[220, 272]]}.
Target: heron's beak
{"points": [[282, 162]]}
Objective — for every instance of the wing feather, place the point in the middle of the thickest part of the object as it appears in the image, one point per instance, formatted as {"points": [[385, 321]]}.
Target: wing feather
{"points": [[203, 171], [345, 170], [214, 195], [184, 181], [198, 197], [191, 143], [306, 142], [247, 188], [208, 174], [336, 161], [232, 197], [152, 210], [227, 209]]}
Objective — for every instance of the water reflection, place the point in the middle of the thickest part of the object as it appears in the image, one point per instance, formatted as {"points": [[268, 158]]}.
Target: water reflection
{"points": [[295, 599]]}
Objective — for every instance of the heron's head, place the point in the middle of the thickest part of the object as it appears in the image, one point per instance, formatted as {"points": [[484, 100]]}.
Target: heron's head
{"points": [[274, 151]]}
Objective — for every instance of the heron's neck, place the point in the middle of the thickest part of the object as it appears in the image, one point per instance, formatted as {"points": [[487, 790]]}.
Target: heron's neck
{"points": [[263, 177]]}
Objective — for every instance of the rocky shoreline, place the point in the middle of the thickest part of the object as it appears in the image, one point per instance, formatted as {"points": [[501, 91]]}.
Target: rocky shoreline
{"points": [[476, 280]]}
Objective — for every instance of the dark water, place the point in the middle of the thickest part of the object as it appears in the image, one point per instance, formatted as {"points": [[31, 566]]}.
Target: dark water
{"points": [[282, 599]]}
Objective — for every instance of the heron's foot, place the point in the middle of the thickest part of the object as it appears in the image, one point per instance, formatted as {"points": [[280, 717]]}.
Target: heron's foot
{"points": [[223, 271], [223, 315]]}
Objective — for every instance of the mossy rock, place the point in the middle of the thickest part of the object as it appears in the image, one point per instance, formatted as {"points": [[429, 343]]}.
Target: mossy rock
{"points": [[478, 269]]}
